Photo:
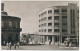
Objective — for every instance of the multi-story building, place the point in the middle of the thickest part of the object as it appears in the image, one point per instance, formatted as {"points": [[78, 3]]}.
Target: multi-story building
{"points": [[59, 22], [10, 28]]}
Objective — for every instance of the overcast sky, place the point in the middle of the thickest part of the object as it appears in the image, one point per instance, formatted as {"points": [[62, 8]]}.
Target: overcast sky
{"points": [[28, 12]]}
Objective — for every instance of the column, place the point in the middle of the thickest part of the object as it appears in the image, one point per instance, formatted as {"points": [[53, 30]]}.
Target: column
{"points": [[60, 39], [53, 40], [47, 38], [47, 42]]}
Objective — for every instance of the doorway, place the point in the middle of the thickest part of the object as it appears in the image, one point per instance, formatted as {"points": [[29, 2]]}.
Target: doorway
{"points": [[10, 38], [63, 38], [50, 38]]}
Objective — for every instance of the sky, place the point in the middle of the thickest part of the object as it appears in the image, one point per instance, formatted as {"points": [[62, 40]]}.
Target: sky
{"points": [[28, 12]]}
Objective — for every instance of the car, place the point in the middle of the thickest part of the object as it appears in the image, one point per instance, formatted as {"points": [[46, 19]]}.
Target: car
{"points": [[70, 42]]}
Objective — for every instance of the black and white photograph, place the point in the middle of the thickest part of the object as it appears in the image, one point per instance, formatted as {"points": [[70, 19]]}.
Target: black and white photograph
{"points": [[40, 25]]}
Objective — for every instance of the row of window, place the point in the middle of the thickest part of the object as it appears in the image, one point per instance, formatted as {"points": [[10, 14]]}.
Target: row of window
{"points": [[50, 30], [42, 14], [10, 24], [50, 11], [55, 18], [43, 19], [44, 30], [42, 25], [50, 24], [63, 10]]}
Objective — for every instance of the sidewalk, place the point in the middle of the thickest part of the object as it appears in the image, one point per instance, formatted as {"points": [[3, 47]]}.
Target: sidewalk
{"points": [[42, 47]]}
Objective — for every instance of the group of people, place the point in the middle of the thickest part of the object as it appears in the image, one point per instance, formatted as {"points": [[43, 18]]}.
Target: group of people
{"points": [[9, 45]]}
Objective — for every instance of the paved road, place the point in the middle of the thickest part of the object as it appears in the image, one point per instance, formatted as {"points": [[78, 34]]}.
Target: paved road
{"points": [[42, 47]]}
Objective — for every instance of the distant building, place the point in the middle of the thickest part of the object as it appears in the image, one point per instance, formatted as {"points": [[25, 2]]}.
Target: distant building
{"points": [[10, 27], [29, 38], [59, 22]]}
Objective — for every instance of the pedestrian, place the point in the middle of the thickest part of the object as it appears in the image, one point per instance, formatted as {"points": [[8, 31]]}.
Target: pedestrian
{"points": [[49, 42], [18, 44], [7, 45], [14, 45], [70, 44], [10, 45], [4, 42]]}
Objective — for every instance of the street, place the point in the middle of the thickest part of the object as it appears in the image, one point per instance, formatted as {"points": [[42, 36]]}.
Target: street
{"points": [[42, 47]]}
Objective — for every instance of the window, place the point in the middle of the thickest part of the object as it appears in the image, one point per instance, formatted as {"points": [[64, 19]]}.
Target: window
{"points": [[50, 11], [56, 30], [78, 11], [45, 18], [56, 17], [64, 30], [39, 15], [39, 30], [45, 12], [2, 24], [64, 23], [39, 25], [64, 10], [39, 20], [49, 30], [72, 31], [50, 18], [44, 30], [49, 24], [64, 16], [57, 10], [16, 24], [44, 24], [10, 23], [56, 23]]}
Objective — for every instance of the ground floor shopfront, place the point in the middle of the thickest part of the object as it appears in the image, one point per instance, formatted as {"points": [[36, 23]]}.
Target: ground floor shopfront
{"points": [[45, 39], [54, 38]]}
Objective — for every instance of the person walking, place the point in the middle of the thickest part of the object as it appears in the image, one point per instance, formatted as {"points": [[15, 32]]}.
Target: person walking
{"points": [[14, 45], [4, 42], [70, 44], [18, 44], [49, 42], [10, 45], [7, 45]]}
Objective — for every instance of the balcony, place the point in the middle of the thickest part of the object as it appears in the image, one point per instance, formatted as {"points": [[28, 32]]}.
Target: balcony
{"points": [[12, 29]]}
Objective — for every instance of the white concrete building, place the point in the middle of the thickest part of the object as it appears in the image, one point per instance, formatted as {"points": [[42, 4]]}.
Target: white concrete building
{"points": [[59, 22]]}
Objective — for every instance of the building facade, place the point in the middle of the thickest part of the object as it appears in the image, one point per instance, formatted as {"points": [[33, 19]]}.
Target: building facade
{"points": [[59, 22], [10, 28], [29, 38]]}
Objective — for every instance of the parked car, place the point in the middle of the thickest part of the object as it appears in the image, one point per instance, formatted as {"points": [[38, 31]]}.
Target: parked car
{"points": [[74, 43], [70, 42]]}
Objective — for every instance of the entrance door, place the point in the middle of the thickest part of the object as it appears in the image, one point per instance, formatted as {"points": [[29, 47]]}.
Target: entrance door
{"points": [[10, 38], [63, 38], [50, 38]]}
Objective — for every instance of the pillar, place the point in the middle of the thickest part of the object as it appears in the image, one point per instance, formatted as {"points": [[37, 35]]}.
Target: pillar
{"points": [[53, 40], [47, 38], [60, 39]]}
